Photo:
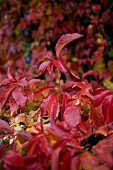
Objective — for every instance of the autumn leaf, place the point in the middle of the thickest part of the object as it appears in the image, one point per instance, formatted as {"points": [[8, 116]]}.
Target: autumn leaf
{"points": [[55, 158], [59, 130], [96, 116], [4, 96], [53, 107], [104, 147], [11, 76], [61, 64], [19, 97], [107, 109], [13, 160], [4, 126], [64, 40], [88, 161], [99, 95], [72, 115], [90, 72], [43, 66]]}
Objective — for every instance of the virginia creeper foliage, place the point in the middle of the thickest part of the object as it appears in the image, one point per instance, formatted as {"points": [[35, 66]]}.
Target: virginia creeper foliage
{"points": [[56, 96]]}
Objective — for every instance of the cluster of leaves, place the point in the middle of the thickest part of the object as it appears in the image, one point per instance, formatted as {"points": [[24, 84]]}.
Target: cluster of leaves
{"points": [[56, 105], [30, 28], [55, 123]]}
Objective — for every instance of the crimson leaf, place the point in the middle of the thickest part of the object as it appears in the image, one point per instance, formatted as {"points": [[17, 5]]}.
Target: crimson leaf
{"points": [[107, 109], [72, 115], [100, 95], [64, 40], [4, 125], [53, 107], [11, 76], [19, 97]]}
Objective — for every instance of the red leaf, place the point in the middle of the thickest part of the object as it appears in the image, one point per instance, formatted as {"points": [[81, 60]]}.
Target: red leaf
{"points": [[19, 97], [2, 147], [107, 109], [11, 75], [100, 95], [96, 116], [66, 164], [13, 105], [39, 143], [53, 107], [63, 61], [25, 135], [64, 102], [85, 87], [59, 65], [29, 93], [13, 159], [88, 161], [50, 68], [84, 127], [72, 115], [5, 95], [90, 72], [33, 82], [103, 151], [55, 158], [44, 90], [72, 76], [5, 82], [60, 131], [43, 66], [31, 163], [22, 81], [4, 126], [64, 40]]}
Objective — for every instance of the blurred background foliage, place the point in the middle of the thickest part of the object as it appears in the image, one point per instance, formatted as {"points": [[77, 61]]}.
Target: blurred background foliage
{"points": [[30, 28]]}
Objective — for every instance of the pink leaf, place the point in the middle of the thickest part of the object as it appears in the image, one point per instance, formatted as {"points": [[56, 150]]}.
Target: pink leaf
{"points": [[24, 135], [72, 76], [55, 158], [60, 66], [4, 125], [103, 151], [72, 115], [43, 66], [90, 72], [19, 97], [33, 82], [29, 93], [13, 105], [22, 81], [11, 75], [64, 40], [100, 95], [5, 95], [60, 131], [50, 68], [88, 161], [86, 89], [13, 159], [96, 117], [53, 107], [5, 82], [64, 102], [107, 109]]}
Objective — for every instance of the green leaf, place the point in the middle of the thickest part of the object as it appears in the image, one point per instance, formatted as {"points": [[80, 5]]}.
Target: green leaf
{"points": [[27, 47], [110, 53]]}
